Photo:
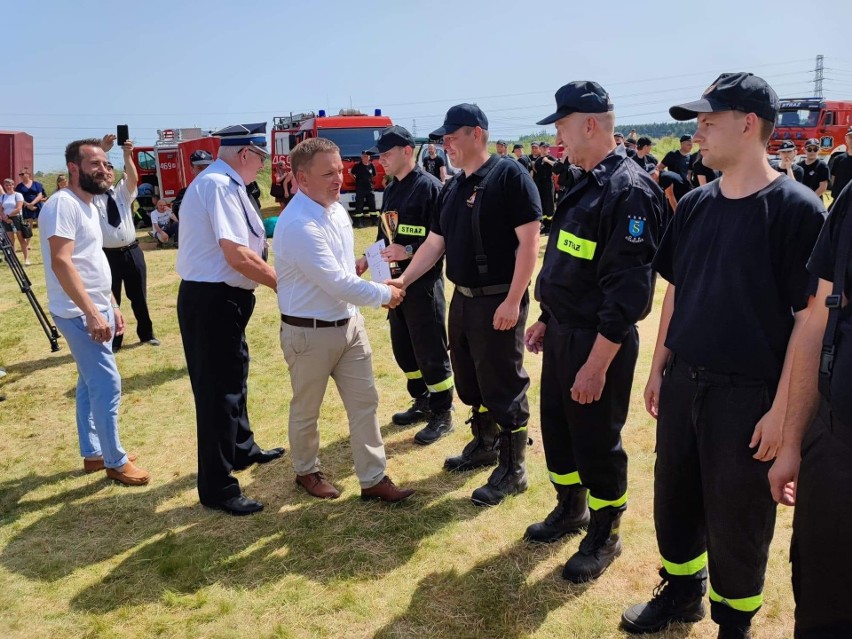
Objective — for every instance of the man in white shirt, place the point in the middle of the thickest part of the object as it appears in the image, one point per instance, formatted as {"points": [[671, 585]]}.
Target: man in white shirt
{"points": [[126, 259], [220, 262], [322, 332], [79, 299]]}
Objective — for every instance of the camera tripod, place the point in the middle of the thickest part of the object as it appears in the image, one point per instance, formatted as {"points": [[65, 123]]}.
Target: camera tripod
{"points": [[8, 251]]}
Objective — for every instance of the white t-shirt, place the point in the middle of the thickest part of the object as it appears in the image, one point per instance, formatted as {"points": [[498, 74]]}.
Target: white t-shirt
{"points": [[161, 218], [10, 202], [68, 217], [217, 207]]}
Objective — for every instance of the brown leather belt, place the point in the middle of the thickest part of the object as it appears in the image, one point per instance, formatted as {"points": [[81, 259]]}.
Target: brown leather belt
{"points": [[308, 322]]}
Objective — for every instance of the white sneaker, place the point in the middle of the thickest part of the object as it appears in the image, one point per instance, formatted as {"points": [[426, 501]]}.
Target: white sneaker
{"points": [[27, 263]]}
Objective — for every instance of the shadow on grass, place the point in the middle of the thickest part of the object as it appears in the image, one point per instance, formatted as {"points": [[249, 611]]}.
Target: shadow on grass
{"points": [[143, 382], [21, 369], [13, 491], [186, 548], [492, 599]]}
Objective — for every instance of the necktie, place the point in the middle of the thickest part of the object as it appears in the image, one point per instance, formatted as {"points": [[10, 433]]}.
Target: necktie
{"points": [[113, 216]]}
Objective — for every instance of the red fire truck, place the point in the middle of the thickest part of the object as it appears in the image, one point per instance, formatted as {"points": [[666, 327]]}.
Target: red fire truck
{"points": [[350, 130], [166, 165], [803, 118]]}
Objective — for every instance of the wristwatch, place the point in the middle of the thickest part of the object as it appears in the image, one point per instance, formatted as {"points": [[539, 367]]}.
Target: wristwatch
{"points": [[409, 250]]}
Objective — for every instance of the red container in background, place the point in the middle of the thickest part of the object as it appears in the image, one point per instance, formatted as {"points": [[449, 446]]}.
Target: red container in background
{"points": [[16, 152]]}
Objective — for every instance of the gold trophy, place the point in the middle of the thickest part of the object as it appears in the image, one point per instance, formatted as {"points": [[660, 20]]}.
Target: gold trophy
{"points": [[390, 221]]}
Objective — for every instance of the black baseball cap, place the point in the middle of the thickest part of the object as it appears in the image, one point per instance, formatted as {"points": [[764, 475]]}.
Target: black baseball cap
{"points": [[743, 92], [503, 142], [518, 146], [579, 97], [849, 130], [532, 144], [200, 158], [685, 137], [461, 115], [543, 143], [391, 137], [618, 134], [812, 142], [787, 145]]}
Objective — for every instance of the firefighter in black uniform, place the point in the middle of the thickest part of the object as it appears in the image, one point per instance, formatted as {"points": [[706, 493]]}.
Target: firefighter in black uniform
{"points": [[518, 152], [814, 466], [417, 329], [595, 284], [735, 258], [365, 199], [488, 222], [543, 178]]}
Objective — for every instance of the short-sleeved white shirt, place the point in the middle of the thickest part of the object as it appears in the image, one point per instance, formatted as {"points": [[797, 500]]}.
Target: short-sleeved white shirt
{"points": [[10, 202], [125, 233], [65, 215], [216, 207]]}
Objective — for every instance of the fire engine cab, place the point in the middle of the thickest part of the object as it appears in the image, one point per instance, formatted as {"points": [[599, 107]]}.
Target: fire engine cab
{"points": [[166, 165], [351, 130], [803, 118]]}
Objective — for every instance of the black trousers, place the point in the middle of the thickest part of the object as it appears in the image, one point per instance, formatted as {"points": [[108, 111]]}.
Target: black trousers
{"points": [[128, 268], [822, 531], [582, 442], [712, 503], [489, 364], [364, 201], [419, 341], [213, 318]]}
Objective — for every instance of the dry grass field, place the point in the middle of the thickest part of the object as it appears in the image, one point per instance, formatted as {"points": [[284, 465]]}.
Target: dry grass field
{"points": [[82, 557]]}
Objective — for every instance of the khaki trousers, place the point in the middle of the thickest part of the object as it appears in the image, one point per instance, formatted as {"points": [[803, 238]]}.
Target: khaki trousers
{"points": [[342, 353]]}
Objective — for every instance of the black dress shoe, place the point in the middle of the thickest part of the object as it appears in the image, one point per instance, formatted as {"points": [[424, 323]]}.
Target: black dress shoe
{"points": [[262, 457], [238, 506]]}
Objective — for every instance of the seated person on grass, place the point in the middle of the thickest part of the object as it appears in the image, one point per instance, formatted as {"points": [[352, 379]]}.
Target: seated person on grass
{"points": [[164, 223]]}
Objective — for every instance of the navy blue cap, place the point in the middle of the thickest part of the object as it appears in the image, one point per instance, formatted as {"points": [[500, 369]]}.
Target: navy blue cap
{"points": [[543, 143], [579, 97], [533, 144], [461, 115], [200, 158], [618, 134], [518, 146], [253, 135], [391, 137], [787, 145], [812, 142], [686, 137], [503, 142], [743, 92]]}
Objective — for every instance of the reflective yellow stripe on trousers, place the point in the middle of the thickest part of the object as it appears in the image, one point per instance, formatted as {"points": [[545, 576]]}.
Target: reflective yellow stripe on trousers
{"points": [[685, 569], [745, 604]]}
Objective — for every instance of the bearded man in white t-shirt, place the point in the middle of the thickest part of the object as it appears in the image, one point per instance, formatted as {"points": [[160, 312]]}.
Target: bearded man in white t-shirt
{"points": [[80, 300]]}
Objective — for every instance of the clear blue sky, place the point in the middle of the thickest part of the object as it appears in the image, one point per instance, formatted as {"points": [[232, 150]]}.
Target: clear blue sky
{"points": [[76, 69]]}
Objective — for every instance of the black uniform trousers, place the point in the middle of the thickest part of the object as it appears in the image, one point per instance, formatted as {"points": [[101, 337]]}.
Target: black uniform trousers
{"points": [[582, 442], [419, 340], [548, 201], [213, 319], [489, 364], [712, 503], [822, 531], [365, 201], [128, 267]]}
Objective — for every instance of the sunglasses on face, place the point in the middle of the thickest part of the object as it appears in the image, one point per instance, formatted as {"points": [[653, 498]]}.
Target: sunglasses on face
{"points": [[811, 148]]}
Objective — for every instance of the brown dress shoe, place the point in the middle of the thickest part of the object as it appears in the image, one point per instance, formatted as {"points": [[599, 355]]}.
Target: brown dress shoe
{"points": [[387, 491], [129, 475], [317, 485], [94, 465]]}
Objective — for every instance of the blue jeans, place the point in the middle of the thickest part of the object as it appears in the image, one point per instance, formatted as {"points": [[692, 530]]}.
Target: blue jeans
{"points": [[98, 391]]}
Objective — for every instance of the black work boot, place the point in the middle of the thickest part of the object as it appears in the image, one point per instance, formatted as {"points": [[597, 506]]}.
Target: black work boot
{"points": [[676, 599], [734, 632], [439, 424], [418, 412], [482, 449], [599, 547], [570, 516], [510, 476]]}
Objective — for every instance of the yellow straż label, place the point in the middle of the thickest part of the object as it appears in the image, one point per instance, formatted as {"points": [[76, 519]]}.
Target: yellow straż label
{"points": [[576, 246]]}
